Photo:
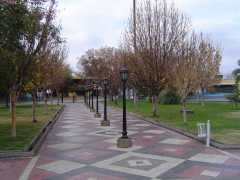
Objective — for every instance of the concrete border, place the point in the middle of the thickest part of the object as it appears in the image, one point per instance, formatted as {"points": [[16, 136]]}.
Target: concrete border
{"points": [[35, 145], [213, 143]]}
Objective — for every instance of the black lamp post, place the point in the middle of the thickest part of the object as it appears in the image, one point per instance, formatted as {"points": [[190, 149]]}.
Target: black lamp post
{"points": [[124, 141], [85, 97], [89, 98], [105, 121], [97, 115], [92, 97]]}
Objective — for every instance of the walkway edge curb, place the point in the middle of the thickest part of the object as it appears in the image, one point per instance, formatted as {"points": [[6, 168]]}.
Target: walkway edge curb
{"points": [[37, 141]]}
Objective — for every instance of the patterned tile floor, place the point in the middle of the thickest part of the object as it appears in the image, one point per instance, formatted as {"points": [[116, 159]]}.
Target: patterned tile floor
{"points": [[78, 148]]}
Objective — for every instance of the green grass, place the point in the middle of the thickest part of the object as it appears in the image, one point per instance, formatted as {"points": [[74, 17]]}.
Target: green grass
{"points": [[26, 130], [225, 120]]}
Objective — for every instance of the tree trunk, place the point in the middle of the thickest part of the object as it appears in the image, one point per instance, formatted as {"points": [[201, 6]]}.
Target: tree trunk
{"points": [[13, 95], [135, 99], [154, 105], [10, 107], [51, 98], [202, 98], [62, 97], [34, 101], [7, 100], [58, 97], [184, 111], [45, 102]]}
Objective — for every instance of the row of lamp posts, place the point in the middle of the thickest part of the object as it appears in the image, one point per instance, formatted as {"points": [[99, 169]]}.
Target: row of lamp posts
{"points": [[124, 141]]}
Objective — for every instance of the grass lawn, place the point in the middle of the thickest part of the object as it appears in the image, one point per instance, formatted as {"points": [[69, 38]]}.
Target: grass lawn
{"points": [[225, 120], [26, 130]]}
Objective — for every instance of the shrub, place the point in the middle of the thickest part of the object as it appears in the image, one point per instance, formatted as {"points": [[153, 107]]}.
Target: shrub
{"points": [[169, 96]]}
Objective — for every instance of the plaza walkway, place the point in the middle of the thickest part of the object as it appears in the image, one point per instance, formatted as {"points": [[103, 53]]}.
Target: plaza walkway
{"points": [[78, 148]]}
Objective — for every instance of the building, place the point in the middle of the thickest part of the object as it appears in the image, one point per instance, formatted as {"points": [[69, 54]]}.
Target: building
{"points": [[224, 86]]}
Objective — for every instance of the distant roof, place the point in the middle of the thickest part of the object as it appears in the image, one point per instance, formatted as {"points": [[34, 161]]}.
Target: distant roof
{"points": [[226, 82]]}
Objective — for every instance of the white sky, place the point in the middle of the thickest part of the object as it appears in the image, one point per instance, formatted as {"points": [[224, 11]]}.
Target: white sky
{"points": [[95, 23]]}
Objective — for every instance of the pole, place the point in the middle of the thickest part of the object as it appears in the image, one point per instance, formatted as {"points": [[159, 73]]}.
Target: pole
{"points": [[92, 101], [97, 99], [105, 102], [89, 99], [105, 121], [124, 133], [208, 133], [97, 115], [134, 26]]}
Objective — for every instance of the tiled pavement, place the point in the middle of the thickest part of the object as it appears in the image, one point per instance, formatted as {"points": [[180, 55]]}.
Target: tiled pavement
{"points": [[78, 148]]}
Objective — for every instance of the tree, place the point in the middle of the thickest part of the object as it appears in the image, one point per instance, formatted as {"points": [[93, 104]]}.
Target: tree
{"points": [[185, 78], [235, 97], [197, 66], [159, 30], [102, 63], [26, 27], [209, 63]]}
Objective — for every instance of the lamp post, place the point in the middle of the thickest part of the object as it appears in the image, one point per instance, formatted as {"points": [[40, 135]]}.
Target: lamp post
{"points": [[97, 114], [92, 97], [105, 121], [124, 141], [85, 97], [89, 98]]}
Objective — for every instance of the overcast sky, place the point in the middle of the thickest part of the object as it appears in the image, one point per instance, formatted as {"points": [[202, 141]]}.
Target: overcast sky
{"points": [[95, 23]]}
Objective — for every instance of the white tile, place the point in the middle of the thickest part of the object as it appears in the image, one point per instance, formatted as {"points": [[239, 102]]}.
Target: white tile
{"points": [[174, 141], [64, 146], [209, 158], [69, 126], [67, 134], [113, 140], [142, 125], [210, 173], [61, 167], [148, 137], [170, 150], [69, 122], [154, 131], [133, 148]]}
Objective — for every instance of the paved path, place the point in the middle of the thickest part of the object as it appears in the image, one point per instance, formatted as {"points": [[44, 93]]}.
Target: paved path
{"points": [[78, 148]]}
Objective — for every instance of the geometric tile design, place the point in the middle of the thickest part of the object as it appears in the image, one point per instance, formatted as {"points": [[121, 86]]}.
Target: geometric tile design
{"points": [[61, 167], [64, 146], [174, 141], [139, 162], [110, 133], [160, 164], [209, 158], [83, 150]]}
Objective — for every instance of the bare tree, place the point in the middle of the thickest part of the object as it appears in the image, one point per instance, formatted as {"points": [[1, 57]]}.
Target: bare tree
{"points": [[197, 66], [210, 58], [159, 28]]}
